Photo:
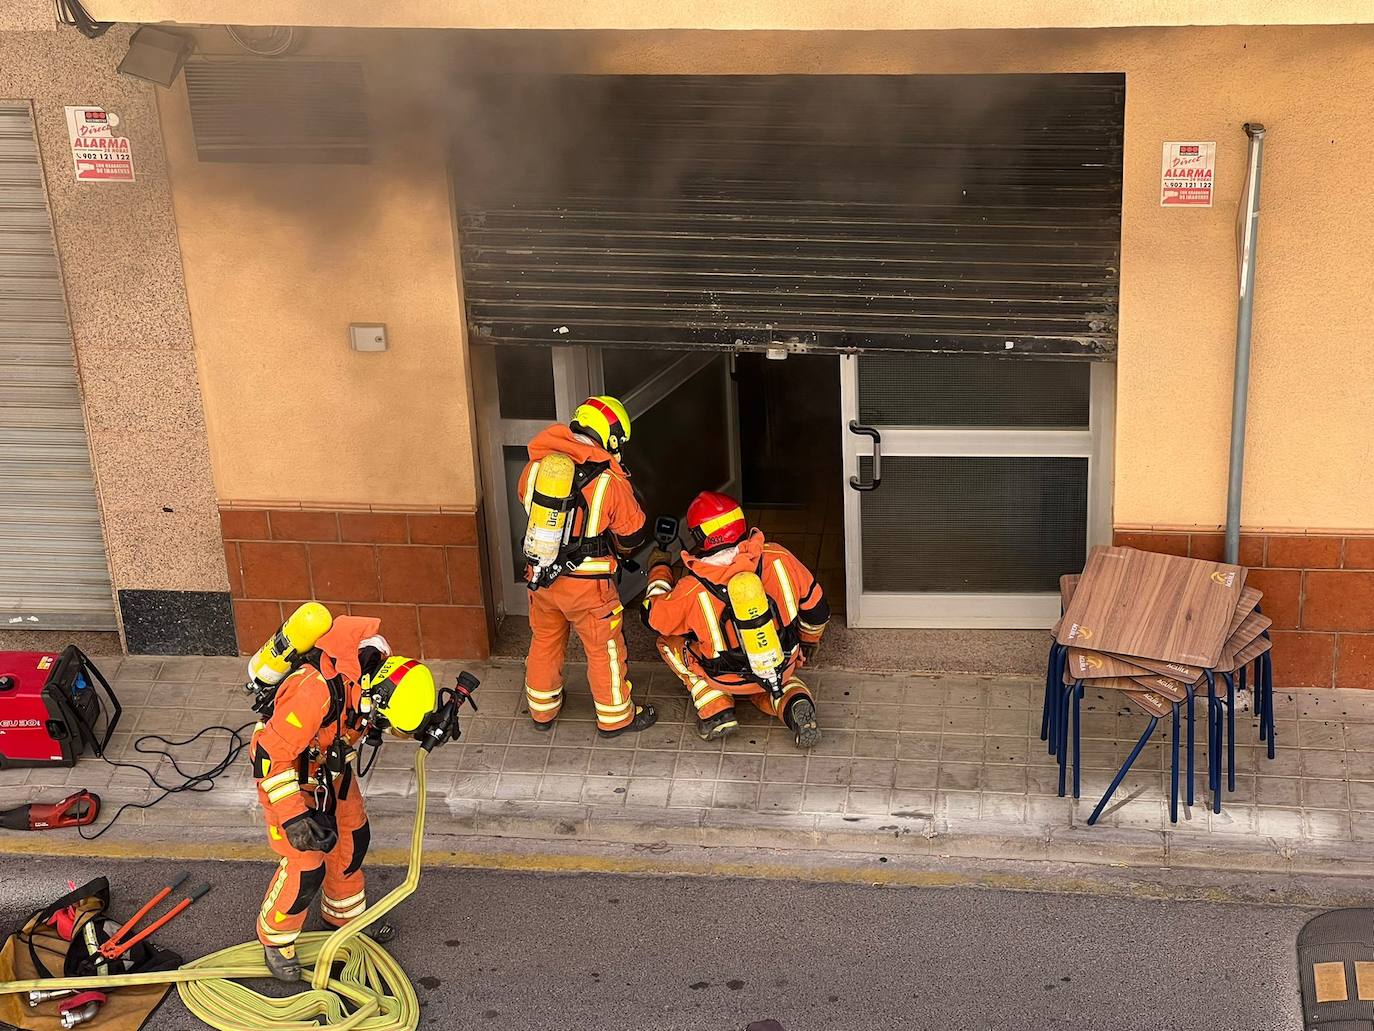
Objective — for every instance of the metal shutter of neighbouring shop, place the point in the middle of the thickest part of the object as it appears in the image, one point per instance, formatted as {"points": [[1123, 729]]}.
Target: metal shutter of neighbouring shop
{"points": [[53, 572], [837, 213]]}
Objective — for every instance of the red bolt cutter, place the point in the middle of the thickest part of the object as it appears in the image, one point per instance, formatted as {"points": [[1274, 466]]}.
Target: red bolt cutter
{"points": [[127, 937], [76, 810]]}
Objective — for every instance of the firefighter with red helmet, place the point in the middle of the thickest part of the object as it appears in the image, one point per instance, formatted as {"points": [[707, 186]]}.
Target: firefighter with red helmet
{"points": [[741, 621], [583, 519]]}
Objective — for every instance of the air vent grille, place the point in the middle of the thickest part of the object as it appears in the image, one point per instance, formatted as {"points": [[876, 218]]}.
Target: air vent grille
{"points": [[295, 112]]}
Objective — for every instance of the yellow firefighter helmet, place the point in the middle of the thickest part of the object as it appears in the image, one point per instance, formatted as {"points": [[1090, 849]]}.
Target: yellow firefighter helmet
{"points": [[403, 692], [605, 419]]}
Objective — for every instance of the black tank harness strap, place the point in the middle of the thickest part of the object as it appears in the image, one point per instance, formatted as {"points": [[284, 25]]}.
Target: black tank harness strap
{"points": [[733, 661], [578, 548]]}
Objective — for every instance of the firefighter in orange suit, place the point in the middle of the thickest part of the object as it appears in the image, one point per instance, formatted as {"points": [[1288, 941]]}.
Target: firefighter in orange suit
{"points": [[302, 759], [600, 521], [699, 633]]}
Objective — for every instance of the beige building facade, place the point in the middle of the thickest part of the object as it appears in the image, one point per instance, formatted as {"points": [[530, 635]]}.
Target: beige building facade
{"points": [[246, 458]]}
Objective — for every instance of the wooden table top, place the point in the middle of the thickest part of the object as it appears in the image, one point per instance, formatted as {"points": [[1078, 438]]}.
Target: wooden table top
{"points": [[1090, 665], [1166, 687], [1254, 627], [1177, 670], [1253, 651], [1249, 601], [1174, 690], [1150, 704], [1161, 607]]}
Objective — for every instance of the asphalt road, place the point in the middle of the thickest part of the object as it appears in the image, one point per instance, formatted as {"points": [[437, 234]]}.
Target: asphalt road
{"points": [[530, 952]]}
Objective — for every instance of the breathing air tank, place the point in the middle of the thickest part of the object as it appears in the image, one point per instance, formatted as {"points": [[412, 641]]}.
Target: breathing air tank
{"points": [[758, 633], [283, 650], [548, 523]]}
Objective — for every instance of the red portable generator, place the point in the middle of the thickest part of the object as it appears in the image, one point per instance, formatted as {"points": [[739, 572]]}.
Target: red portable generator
{"points": [[50, 711]]}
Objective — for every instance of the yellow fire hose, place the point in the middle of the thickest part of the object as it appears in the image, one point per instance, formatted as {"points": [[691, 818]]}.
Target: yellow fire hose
{"points": [[368, 991]]}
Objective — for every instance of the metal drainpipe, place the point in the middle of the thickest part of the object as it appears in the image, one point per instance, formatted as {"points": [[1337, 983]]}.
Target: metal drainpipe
{"points": [[1247, 234]]}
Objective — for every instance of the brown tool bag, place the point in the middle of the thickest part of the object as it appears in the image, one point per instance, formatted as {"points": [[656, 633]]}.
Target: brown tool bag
{"points": [[43, 935]]}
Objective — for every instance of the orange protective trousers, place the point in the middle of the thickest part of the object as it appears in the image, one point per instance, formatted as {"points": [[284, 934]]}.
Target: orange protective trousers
{"points": [[593, 609], [711, 696], [300, 875]]}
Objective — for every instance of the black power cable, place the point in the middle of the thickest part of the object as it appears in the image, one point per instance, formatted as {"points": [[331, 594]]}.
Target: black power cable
{"points": [[70, 12], [189, 781]]}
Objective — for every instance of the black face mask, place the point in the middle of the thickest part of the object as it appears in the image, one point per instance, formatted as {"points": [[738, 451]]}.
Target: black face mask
{"points": [[370, 659]]}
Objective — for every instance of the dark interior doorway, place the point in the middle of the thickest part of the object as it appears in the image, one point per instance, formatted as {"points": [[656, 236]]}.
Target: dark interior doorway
{"points": [[790, 459]]}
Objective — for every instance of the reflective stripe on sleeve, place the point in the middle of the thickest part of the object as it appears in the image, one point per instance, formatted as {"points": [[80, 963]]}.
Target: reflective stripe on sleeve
{"points": [[717, 642], [789, 596], [594, 513]]}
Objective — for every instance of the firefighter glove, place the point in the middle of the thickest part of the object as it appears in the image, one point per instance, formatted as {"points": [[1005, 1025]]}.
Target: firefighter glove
{"points": [[659, 557], [311, 832], [809, 651]]}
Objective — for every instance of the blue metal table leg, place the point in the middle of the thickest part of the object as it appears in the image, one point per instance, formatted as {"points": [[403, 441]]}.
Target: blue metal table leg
{"points": [[1126, 768], [1060, 663], [1077, 690], [1256, 699], [1173, 767], [1065, 701], [1214, 736], [1192, 746], [1216, 747], [1230, 731], [1054, 692], [1261, 696], [1049, 693], [1213, 769], [1269, 697]]}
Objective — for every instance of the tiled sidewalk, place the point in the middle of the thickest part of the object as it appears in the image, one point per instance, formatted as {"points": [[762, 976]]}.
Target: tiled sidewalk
{"points": [[908, 763]]}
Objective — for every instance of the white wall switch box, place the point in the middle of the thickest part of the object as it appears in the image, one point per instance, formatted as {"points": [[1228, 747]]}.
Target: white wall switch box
{"points": [[367, 337]]}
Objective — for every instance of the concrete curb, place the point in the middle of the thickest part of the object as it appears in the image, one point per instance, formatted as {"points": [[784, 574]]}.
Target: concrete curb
{"points": [[514, 825]]}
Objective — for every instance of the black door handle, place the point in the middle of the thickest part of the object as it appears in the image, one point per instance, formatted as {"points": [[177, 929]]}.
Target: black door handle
{"points": [[869, 431]]}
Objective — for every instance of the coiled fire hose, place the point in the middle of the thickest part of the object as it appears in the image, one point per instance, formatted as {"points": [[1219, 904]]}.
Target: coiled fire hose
{"points": [[354, 982]]}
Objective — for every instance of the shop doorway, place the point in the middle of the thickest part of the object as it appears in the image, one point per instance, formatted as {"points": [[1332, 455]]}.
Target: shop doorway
{"points": [[763, 431], [936, 258]]}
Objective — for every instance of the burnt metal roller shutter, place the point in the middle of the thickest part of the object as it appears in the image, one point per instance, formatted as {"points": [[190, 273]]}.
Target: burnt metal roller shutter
{"points": [[53, 571], [921, 213]]}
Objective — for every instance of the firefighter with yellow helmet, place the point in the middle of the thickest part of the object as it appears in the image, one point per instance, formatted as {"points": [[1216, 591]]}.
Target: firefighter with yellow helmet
{"points": [[740, 622], [583, 518], [323, 685]]}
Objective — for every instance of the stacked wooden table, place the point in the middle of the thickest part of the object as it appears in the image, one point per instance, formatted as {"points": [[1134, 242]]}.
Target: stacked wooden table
{"points": [[1158, 629]]}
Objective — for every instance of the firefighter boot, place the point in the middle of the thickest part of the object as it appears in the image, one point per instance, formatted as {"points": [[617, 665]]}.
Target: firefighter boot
{"points": [[380, 931], [645, 717], [801, 720], [283, 963], [713, 728]]}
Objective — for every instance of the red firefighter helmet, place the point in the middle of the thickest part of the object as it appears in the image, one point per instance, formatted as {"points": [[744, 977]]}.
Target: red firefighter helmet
{"points": [[715, 521]]}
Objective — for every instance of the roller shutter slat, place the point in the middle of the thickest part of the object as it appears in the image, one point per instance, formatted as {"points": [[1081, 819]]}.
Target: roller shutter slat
{"points": [[937, 213], [53, 570]]}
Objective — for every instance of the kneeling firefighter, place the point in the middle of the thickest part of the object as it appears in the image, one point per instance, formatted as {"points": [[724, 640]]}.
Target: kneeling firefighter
{"points": [[741, 622], [583, 517], [324, 685]]}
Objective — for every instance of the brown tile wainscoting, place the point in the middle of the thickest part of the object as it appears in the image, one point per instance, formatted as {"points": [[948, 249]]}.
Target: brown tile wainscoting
{"points": [[1318, 589], [420, 573]]}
